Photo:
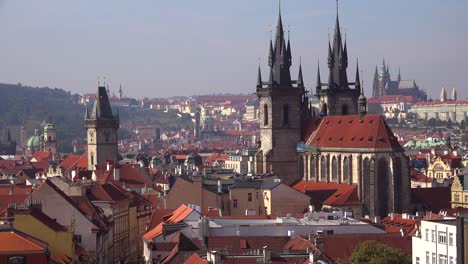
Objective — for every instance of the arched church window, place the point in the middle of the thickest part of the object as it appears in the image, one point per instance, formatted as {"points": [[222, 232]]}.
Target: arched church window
{"points": [[346, 169], [265, 115], [382, 187], [366, 178], [313, 168], [323, 168], [285, 115], [334, 169], [301, 167]]}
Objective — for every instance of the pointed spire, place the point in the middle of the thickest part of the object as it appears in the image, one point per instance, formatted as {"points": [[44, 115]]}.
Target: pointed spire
{"points": [[271, 81], [259, 78], [87, 111], [330, 56], [454, 94], [300, 80], [8, 135], [102, 106], [376, 73], [443, 95], [345, 57], [358, 80], [399, 74], [318, 85], [271, 56]]}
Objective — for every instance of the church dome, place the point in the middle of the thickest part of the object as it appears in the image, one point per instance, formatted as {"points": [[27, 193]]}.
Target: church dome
{"points": [[34, 142]]}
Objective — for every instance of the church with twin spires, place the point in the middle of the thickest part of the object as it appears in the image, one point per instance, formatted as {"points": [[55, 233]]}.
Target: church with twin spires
{"points": [[341, 149]]}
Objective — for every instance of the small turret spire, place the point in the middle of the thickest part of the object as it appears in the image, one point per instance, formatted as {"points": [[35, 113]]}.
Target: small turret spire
{"points": [[318, 85], [271, 55], [259, 77], [399, 74], [358, 80], [300, 80], [8, 135], [271, 81], [330, 56]]}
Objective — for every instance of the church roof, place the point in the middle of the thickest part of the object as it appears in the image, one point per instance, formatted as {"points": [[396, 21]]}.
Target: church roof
{"points": [[403, 84], [350, 132]]}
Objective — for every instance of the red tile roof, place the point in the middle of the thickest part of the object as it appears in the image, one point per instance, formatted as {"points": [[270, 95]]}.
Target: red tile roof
{"points": [[195, 259], [441, 103], [177, 216], [432, 199], [391, 99], [238, 245], [75, 162], [350, 132], [341, 246], [343, 193], [107, 192], [16, 241], [43, 156], [298, 243]]}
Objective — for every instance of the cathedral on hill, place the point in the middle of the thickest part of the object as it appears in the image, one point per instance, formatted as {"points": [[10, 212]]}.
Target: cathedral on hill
{"points": [[341, 153], [383, 85]]}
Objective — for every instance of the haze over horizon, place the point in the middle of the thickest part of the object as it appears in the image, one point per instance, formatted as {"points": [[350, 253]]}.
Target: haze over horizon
{"points": [[160, 49]]}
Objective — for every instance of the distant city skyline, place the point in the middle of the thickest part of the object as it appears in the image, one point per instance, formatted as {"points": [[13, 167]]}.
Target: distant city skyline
{"points": [[160, 49]]}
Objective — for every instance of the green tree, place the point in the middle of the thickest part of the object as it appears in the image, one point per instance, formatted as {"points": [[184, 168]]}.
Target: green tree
{"points": [[373, 252]]}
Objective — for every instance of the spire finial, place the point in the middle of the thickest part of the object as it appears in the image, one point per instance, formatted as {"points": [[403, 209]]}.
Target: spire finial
{"points": [[337, 5], [279, 7]]}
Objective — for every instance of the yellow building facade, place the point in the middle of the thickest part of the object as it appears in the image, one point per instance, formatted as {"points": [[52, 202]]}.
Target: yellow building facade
{"points": [[38, 225]]}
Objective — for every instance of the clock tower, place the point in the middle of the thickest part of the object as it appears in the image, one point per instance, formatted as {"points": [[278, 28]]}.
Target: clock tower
{"points": [[102, 126]]}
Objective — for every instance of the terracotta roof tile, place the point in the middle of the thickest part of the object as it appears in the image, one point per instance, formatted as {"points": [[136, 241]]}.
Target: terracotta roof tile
{"points": [[350, 132], [16, 241], [195, 259]]}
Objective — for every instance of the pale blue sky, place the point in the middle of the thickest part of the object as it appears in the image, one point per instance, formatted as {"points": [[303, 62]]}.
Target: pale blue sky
{"points": [[162, 48]]}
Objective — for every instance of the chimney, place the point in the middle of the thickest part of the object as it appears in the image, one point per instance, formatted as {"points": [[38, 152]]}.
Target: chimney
{"points": [[116, 174], [108, 166], [266, 255], [213, 257], [311, 257], [376, 219], [392, 216]]}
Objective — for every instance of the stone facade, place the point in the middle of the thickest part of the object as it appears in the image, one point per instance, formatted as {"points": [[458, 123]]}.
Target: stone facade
{"points": [[382, 178]]}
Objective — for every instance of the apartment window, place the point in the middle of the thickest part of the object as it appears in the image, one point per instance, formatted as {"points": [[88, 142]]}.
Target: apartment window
{"points": [[465, 199], [249, 197], [428, 257], [434, 258], [234, 203], [442, 237], [456, 197], [452, 260], [442, 259], [450, 239], [433, 236], [417, 260], [427, 234], [256, 195]]}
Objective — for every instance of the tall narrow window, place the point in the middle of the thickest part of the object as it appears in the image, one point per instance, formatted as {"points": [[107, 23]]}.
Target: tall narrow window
{"points": [[334, 170], [265, 115], [285, 115]]}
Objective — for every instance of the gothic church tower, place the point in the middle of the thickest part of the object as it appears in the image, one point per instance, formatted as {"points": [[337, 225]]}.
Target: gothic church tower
{"points": [[282, 103], [336, 97], [102, 126]]}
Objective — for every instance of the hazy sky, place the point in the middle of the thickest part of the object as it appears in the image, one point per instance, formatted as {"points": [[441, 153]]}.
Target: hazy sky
{"points": [[162, 48]]}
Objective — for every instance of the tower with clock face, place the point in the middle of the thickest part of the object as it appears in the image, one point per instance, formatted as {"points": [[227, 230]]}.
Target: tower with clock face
{"points": [[102, 126]]}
